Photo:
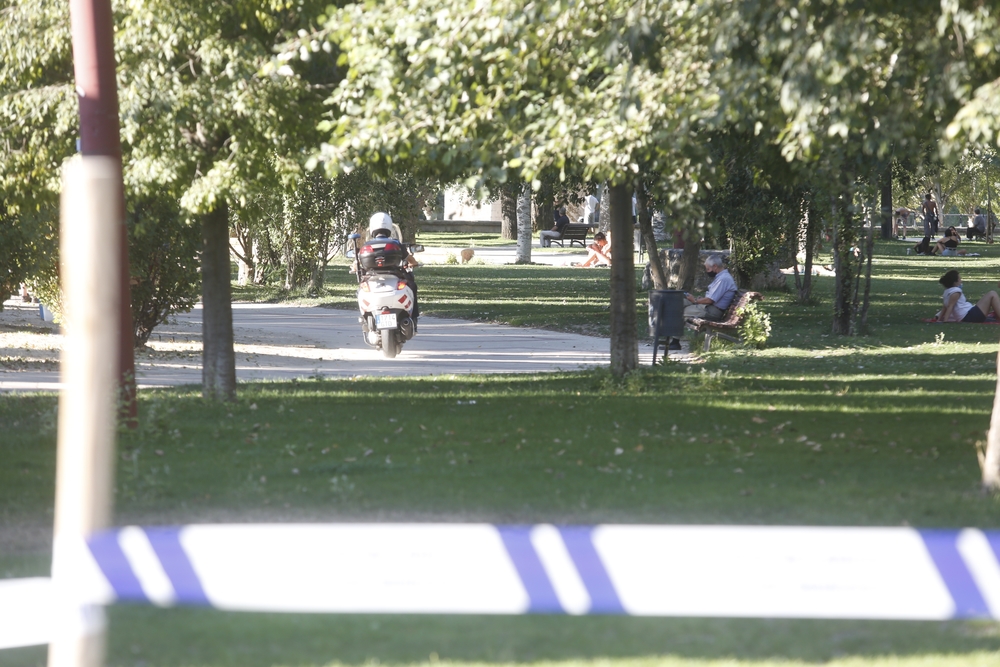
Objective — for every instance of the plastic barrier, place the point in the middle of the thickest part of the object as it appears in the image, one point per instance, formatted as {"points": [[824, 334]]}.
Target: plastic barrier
{"points": [[25, 612], [708, 571]]}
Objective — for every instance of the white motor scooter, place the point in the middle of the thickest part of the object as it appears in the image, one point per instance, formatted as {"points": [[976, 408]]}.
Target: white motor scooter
{"points": [[385, 296]]}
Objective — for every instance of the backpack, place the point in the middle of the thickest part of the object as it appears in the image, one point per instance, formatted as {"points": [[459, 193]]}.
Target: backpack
{"points": [[924, 247]]}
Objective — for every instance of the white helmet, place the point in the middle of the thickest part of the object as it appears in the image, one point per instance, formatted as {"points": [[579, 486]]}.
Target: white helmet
{"points": [[379, 221]]}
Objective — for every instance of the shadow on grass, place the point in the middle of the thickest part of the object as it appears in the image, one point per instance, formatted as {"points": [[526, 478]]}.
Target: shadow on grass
{"points": [[199, 638], [763, 441], [696, 447], [190, 638]]}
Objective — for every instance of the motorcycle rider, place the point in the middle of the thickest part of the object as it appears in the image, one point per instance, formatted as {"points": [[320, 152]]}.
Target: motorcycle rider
{"points": [[381, 226]]}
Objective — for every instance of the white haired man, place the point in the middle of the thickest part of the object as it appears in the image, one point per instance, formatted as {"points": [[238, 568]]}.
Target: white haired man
{"points": [[718, 296]]}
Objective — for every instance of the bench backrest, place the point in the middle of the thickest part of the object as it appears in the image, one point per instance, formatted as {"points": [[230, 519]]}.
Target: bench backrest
{"points": [[742, 299], [575, 231]]}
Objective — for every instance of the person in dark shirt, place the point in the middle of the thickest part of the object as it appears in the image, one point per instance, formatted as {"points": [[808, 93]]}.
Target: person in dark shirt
{"points": [[978, 228], [546, 235]]}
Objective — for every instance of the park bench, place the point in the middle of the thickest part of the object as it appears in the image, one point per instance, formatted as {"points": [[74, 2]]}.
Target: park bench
{"points": [[730, 323], [573, 234]]}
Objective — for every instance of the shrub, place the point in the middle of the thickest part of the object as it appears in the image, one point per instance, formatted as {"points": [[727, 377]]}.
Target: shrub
{"points": [[755, 327], [163, 255]]}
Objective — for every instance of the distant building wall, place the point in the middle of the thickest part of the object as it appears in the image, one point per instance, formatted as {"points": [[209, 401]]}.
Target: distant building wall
{"points": [[457, 206]]}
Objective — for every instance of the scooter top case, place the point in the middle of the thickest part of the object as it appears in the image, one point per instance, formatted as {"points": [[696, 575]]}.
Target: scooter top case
{"points": [[381, 254]]}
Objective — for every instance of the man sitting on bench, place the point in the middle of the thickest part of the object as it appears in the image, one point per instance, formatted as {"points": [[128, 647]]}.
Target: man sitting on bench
{"points": [[718, 296], [545, 236], [977, 230]]}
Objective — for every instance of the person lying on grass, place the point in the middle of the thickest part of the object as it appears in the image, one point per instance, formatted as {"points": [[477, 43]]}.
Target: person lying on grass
{"points": [[598, 252], [957, 309]]}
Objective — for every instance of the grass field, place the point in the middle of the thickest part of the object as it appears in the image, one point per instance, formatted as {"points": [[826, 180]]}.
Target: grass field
{"points": [[559, 298], [463, 240], [904, 290], [819, 430]]}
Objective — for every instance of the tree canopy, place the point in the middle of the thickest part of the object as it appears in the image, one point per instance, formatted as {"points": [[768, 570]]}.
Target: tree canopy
{"points": [[491, 90]]}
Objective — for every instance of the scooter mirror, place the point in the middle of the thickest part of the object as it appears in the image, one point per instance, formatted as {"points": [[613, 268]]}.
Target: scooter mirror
{"points": [[354, 236], [416, 248]]}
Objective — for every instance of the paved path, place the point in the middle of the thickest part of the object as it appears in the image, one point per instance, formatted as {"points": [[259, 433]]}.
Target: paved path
{"points": [[282, 342]]}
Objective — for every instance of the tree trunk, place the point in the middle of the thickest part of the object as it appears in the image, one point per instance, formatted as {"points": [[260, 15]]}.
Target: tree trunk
{"points": [[543, 208], [857, 293], [838, 283], [842, 265], [508, 214], [288, 246], [989, 459], [218, 374], [244, 254], [689, 258], [605, 206], [886, 202], [524, 234], [645, 218], [869, 250], [812, 223], [624, 339], [317, 273], [268, 258]]}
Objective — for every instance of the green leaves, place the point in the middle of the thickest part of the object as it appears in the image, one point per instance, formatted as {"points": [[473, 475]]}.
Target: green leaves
{"points": [[509, 89]]}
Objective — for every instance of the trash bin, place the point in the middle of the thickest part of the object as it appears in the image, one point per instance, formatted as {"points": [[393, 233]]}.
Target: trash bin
{"points": [[666, 315]]}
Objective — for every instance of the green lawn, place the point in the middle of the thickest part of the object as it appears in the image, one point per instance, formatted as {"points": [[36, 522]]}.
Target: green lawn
{"points": [[462, 240], [559, 298], [904, 290], [743, 439], [818, 430]]}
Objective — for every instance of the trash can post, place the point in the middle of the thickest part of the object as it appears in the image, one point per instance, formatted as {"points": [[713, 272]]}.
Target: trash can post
{"points": [[666, 315]]}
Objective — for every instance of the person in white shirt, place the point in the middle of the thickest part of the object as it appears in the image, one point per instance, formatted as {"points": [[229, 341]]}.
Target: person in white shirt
{"points": [[590, 210], [957, 309]]}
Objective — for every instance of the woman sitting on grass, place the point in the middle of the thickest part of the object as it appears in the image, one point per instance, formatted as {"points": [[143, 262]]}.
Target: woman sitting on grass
{"points": [[957, 309], [949, 241], [598, 252]]}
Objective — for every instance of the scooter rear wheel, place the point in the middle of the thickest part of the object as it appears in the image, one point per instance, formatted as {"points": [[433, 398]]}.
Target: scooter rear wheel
{"points": [[390, 344]]}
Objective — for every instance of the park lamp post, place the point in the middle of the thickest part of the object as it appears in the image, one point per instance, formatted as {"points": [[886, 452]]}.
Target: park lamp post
{"points": [[97, 90], [97, 365]]}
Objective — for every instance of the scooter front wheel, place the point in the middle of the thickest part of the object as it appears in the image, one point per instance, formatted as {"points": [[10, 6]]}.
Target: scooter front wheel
{"points": [[390, 344]]}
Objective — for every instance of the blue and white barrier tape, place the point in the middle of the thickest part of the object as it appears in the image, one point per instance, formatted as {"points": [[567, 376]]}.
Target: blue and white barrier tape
{"points": [[26, 607], [879, 573], [726, 571]]}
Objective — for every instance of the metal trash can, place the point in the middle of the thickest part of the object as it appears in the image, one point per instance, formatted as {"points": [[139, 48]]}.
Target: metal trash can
{"points": [[666, 315]]}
